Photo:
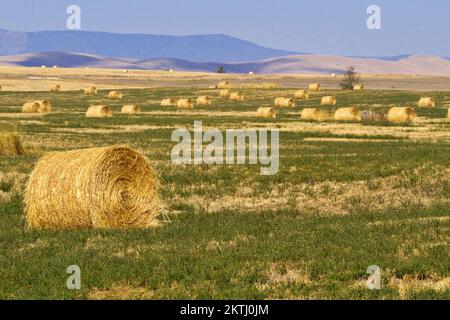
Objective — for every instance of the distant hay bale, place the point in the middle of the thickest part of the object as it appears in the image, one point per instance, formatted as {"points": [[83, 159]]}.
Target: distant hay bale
{"points": [[223, 85], [131, 109], [55, 67], [284, 102], [99, 111], [328, 100], [11, 144], [301, 94], [204, 100], [90, 91], [358, 87], [55, 88], [401, 115], [115, 95], [314, 87], [39, 106], [237, 96], [168, 102], [0, 88], [224, 93], [266, 112], [347, 114], [426, 102], [314, 114], [43, 66], [185, 104], [108, 188]]}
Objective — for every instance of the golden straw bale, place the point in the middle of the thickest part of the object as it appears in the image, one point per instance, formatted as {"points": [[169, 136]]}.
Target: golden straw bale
{"points": [[55, 88], [90, 91], [110, 188], [426, 102], [31, 107], [11, 144], [315, 114], [115, 95], [131, 109], [314, 87], [347, 114], [223, 85], [358, 87], [237, 96], [169, 102], [401, 115], [328, 100], [185, 103], [44, 106], [301, 94], [224, 93], [204, 100], [99, 111], [284, 102], [266, 112]]}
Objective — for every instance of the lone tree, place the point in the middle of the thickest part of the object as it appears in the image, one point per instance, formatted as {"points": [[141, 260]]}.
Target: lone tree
{"points": [[221, 70], [351, 77]]}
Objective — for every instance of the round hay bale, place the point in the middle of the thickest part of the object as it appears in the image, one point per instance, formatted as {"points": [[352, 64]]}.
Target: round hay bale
{"points": [[55, 88], [426, 102], [266, 112], [115, 95], [169, 102], [110, 187], [223, 85], [401, 115], [328, 100], [284, 102], [301, 94], [44, 106], [185, 103], [237, 96], [224, 93], [90, 91], [31, 107], [131, 109], [204, 100], [358, 87], [314, 87], [99, 111], [314, 114], [347, 114]]}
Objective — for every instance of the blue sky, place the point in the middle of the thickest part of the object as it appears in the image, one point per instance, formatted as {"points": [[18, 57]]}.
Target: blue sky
{"points": [[319, 26]]}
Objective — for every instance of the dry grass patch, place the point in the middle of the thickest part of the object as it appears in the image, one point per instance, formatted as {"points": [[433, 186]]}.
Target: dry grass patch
{"points": [[121, 292]]}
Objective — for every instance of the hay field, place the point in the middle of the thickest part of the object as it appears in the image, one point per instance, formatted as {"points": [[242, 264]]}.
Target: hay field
{"points": [[347, 196]]}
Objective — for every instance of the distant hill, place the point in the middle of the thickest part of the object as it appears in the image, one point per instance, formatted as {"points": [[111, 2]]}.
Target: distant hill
{"points": [[198, 48], [317, 64]]}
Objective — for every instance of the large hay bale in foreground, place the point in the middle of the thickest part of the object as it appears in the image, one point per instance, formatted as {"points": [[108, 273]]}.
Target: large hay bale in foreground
{"points": [[347, 114], [99, 111], [92, 91], [315, 114], [131, 109], [328, 101], [301, 94], [204, 100], [401, 115], [358, 87], [223, 85], [237, 96], [111, 187], [314, 87], [284, 102], [55, 88], [115, 95], [11, 144], [185, 104], [168, 102], [224, 93], [266, 112], [426, 102]]}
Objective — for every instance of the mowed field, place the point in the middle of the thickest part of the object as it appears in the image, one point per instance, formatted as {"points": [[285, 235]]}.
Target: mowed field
{"points": [[347, 196]]}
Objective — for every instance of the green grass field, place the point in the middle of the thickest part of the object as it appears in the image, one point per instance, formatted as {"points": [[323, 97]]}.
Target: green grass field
{"points": [[346, 196]]}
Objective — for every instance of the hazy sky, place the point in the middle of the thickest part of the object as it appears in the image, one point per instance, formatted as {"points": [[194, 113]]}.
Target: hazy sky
{"points": [[317, 26]]}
